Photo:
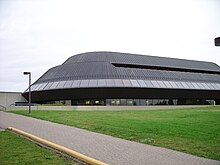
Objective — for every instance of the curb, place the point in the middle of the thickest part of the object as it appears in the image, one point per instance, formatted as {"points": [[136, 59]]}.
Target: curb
{"points": [[58, 147]]}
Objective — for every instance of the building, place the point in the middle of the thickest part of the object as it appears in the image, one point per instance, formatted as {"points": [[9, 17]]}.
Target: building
{"points": [[110, 78], [8, 99]]}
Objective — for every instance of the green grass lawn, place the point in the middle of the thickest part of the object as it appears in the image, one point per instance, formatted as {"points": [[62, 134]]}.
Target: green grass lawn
{"points": [[193, 130], [16, 150]]}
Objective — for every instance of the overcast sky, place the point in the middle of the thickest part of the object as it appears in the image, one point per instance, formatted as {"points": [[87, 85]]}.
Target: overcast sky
{"points": [[36, 35]]}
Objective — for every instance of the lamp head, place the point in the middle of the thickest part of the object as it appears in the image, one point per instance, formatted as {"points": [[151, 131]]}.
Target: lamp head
{"points": [[26, 73], [217, 41]]}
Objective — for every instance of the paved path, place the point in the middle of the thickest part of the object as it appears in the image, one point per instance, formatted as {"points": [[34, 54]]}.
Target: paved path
{"points": [[101, 147]]}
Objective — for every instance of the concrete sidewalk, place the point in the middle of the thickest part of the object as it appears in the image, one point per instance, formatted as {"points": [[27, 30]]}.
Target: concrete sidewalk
{"points": [[101, 147]]}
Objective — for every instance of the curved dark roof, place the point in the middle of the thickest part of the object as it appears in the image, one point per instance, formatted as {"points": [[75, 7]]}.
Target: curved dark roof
{"points": [[126, 58], [90, 69], [100, 65]]}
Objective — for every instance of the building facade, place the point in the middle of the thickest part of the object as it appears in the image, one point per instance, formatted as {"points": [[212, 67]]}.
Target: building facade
{"points": [[8, 99], [110, 78]]}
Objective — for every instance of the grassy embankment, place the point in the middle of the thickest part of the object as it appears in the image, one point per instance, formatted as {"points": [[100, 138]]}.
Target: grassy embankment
{"points": [[193, 130], [16, 150]]}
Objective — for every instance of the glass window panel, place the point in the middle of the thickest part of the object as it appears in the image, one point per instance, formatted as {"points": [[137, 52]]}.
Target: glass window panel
{"points": [[185, 86], [110, 82], [205, 85], [167, 83], [35, 86], [200, 85], [115, 102], [135, 83], [142, 101], [155, 101], [148, 83], [179, 84], [54, 85], [136, 102], [68, 84], [142, 84], [48, 85], [102, 83], [38, 87], [129, 101], [118, 82], [84, 83], [76, 83], [127, 83], [123, 101], [214, 85], [162, 85], [218, 85], [149, 101], [210, 86], [166, 101], [155, 84], [42, 87], [195, 85], [61, 84], [173, 84], [93, 83], [108, 102], [190, 85]]}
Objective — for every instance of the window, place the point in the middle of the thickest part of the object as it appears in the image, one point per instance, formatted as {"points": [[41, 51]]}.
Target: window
{"points": [[185, 86], [68, 84], [173, 84], [162, 85], [190, 85], [76, 83], [195, 85], [155, 84], [134, 83], [101, 83], [179, 84], [93, 83], [148, 83], [129, 102], [48, 85], [61, 84], [42, 86], [54, 85], [204, 86], [118, 83], [127, 83], [168, 85], [142, 84], [35, 87], [110, 82], [84, 83]]}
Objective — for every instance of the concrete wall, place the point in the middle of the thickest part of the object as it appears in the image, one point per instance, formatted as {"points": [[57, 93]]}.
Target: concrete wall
{"points": [[86, 108], [9, 98]]}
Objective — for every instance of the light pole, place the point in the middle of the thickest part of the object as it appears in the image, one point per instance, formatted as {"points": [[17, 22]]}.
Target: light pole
{"points": [[29, 100]]}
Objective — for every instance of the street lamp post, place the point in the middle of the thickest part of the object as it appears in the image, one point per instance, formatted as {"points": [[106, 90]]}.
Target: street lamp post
{"points": [[29, 100]]}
